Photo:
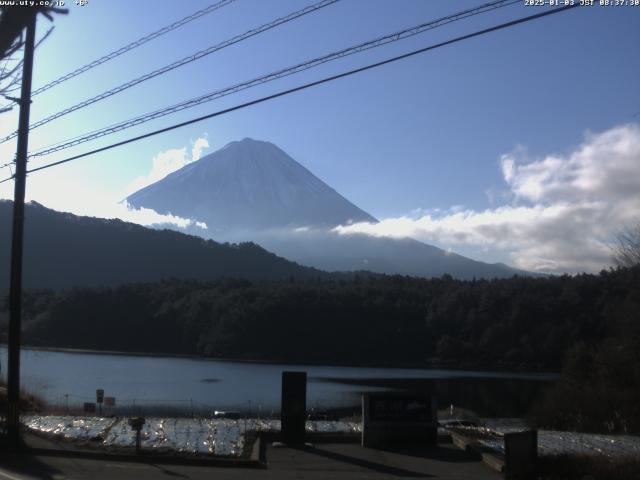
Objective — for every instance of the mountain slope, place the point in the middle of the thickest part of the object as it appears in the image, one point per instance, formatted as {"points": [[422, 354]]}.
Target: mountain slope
{"points": [[64, 250], [249, 185], [333, 252]]}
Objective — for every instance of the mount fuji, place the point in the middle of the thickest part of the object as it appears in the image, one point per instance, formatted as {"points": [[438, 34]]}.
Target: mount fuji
{"points": [[249, 186], [253, 191]]}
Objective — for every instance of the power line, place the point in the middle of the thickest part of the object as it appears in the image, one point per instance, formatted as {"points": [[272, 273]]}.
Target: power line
{"points": [[179, 63], [141, 41], [120, 51], [400, 35], [309, 85]]}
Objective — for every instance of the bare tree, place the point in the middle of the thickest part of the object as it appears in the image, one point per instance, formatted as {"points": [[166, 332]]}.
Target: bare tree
{"points": [[13, 19], [626, 251]]}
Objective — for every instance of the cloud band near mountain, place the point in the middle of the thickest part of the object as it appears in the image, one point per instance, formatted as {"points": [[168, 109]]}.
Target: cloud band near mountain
{"points": [[563, 212]]}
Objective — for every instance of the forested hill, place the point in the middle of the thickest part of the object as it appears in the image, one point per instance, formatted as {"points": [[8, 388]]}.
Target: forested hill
{"points": [[64, 250], [527, 323]]}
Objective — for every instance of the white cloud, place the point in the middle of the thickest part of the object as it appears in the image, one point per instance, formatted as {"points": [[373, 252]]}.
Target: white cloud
{"points": [[167, 162], [564, 210], [146, 216], [199, 145], [508, 165], [162, 165], [64, 189]]}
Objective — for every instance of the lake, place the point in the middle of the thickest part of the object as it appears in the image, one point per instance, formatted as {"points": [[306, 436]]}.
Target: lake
{"points": [[146, 383]]}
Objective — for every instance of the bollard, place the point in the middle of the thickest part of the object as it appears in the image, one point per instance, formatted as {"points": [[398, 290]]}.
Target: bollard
{"points": [[293, 407], [521, 455]]}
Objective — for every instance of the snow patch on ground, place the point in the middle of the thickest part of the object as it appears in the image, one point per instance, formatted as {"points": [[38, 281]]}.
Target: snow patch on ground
{"points": [[221, 437], [226, 437], [552, 442], [72, 428]]}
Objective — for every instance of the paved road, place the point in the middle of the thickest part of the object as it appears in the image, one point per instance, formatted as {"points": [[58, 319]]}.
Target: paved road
{"points": [[330, 461]]}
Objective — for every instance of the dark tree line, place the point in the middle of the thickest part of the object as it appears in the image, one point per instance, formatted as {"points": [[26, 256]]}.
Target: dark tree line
{"points": [[527, 323]]}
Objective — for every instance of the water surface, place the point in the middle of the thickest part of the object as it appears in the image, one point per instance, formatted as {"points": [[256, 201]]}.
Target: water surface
{"points": [[68, 378]]}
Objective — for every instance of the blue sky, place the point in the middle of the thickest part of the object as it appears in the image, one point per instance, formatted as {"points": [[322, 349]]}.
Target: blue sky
{"points": [[451, 134]]}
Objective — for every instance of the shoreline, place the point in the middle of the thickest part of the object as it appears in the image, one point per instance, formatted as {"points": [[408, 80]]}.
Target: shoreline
{"points": [[432, 366]]}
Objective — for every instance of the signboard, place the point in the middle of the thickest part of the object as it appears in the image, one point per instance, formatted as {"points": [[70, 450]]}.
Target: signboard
{"points": [[384, 408], [109, 401], [89, 407], [99, 395], [390, 419]]}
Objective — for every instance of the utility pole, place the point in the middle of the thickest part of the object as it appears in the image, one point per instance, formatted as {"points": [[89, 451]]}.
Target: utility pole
{"points": [[15, 291]]}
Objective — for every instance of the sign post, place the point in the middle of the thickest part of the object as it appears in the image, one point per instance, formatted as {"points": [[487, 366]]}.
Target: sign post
{"points": [[99, 400], [136, 424]]}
